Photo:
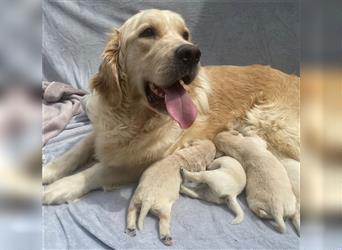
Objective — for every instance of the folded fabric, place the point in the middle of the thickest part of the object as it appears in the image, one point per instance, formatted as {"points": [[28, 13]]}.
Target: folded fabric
{"points": [[60, 103]]}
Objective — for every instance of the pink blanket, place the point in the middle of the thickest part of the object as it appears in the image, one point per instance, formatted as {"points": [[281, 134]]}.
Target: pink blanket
{"points": [[60, 103]]}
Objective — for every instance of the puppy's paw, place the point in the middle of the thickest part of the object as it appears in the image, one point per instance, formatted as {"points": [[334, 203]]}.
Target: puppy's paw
{"points": [[183, 171], [281, 228], [167, 240], [280, 224], [131, 232], [182, 189], [185, 174], [237, 220]]}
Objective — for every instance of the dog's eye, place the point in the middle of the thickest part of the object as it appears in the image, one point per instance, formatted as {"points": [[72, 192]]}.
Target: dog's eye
{"points": [[185, 35], [149, 32]]}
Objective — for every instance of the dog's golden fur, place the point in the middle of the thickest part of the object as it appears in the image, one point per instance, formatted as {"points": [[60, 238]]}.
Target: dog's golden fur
{"points": [[129, 135]]}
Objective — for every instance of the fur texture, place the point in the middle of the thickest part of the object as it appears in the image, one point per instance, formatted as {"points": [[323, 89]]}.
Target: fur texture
{"points": [[159, 186], [223, 181], [268, 189]]}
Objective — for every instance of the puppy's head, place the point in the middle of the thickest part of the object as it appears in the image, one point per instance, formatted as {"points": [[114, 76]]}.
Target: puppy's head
{"points": [[230, 143], [152, 52]]}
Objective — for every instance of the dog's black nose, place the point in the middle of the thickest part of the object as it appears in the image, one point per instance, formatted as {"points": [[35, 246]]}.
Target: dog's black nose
{"points": [[188, 54]]}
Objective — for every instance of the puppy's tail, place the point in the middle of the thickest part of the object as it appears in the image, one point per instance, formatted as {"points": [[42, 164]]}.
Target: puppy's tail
{"points": [[233, 204], [145, 207]]}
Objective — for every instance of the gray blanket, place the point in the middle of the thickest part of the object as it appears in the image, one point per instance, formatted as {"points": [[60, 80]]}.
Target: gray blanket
{"points": [[228, 32]]}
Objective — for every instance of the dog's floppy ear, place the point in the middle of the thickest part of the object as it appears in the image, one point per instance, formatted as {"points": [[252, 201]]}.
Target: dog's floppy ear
{"points": [[107, 80]]}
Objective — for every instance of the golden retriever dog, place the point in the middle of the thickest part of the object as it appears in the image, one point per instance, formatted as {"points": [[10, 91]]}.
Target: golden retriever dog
{"points": [[150, 96]]}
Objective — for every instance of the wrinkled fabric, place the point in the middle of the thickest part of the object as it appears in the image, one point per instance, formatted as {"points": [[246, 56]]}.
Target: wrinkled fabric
{"points": [[60, 103]]}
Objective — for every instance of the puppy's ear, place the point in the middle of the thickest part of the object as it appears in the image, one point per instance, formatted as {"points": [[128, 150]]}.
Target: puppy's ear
{"points": [[107, 80]]}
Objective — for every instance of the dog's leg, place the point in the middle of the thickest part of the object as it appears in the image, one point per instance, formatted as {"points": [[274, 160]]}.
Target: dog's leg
{"points": [[145, 208], [189, 192], [164, 225], [233, 204], [193, 176], [74, 186], [201, 192], [132, 218], [79, 155]]}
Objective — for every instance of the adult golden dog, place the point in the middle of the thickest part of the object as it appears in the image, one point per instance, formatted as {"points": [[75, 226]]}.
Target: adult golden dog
{"points": [[150, 96]]}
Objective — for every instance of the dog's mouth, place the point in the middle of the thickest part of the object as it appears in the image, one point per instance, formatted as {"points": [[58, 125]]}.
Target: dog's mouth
{"points": [[173, 100]]}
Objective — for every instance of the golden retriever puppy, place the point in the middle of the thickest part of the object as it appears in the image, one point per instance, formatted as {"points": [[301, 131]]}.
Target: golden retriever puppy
{"points": [[159, 186], [225, 179], [268, 189], [151, 95]]}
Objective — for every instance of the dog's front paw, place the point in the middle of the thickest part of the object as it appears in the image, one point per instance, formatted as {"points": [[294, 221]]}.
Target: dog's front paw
{"points": [[63, 190]]}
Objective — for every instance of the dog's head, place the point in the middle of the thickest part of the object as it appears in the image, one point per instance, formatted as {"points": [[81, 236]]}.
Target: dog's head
{"points": [[150, 58]]}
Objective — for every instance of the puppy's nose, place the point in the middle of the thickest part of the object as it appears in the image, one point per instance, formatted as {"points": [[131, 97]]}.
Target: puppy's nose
{"points": [[188, 54]]}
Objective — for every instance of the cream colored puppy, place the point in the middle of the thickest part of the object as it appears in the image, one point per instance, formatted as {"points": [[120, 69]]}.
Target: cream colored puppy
{"points": [[159, 186], [268, 189], [225, 180], [293, 170]]}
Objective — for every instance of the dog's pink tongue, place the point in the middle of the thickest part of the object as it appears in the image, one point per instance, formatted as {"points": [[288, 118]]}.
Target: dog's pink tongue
{"points": [[180, 106]]}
